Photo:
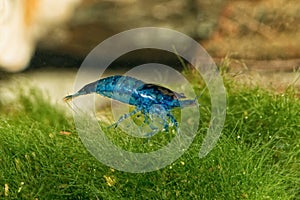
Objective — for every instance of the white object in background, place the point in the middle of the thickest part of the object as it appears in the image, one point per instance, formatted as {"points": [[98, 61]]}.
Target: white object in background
{"points": [[23, 22]]}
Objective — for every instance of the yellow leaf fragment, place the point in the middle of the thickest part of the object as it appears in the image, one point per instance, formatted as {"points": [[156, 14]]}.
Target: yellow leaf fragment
{"points": [[6, 189], [110, 181]]}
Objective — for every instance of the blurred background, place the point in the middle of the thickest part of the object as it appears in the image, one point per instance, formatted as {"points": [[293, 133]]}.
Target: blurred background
{"points": [[255, 36]]}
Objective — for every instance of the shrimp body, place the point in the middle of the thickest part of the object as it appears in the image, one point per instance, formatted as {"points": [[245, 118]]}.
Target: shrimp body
{"points": [[149, 99]]}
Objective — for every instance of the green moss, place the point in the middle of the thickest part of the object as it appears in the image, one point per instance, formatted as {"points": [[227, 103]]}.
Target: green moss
{"points": [[257, 156]]}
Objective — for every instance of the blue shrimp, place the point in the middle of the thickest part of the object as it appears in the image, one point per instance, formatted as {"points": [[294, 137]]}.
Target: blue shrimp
{"points": [[149, 99]]}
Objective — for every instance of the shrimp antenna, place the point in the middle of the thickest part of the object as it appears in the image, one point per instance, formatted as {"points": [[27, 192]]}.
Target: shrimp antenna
{"points": [[203, 90], [67, 100]]}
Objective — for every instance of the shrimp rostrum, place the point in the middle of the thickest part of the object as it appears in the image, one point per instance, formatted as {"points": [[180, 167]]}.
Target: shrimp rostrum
{"points": [[149, 99]]}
